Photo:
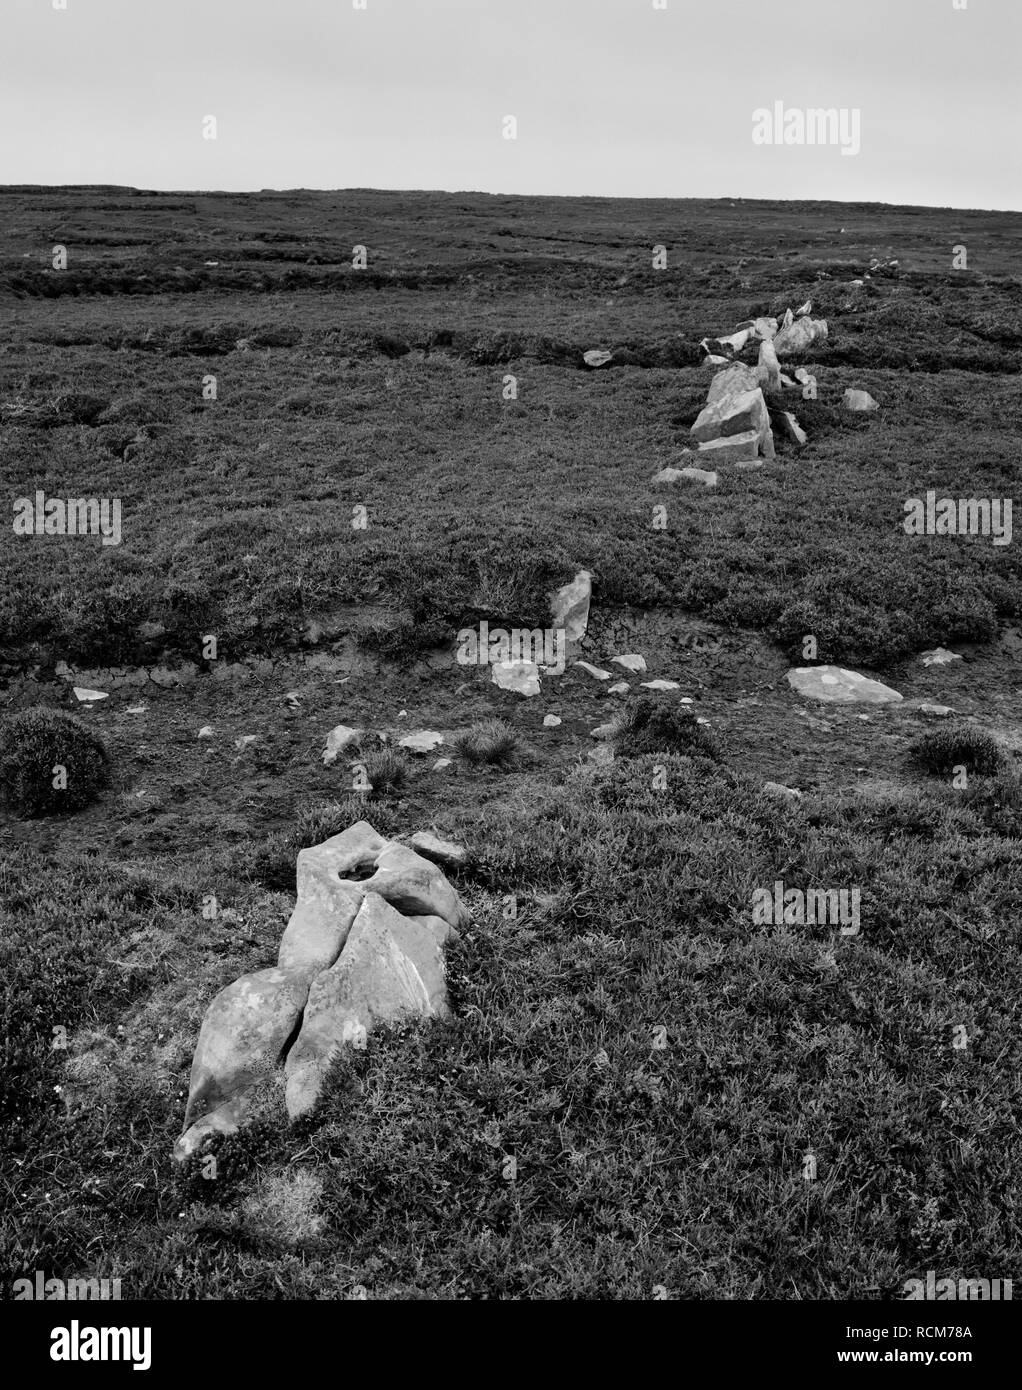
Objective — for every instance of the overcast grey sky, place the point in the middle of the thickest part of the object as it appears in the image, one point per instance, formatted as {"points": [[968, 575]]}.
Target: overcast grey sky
{"points": [[610, 96]]}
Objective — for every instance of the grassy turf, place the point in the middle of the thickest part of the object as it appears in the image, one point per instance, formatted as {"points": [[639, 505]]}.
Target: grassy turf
{"points": [[657, 1066]]}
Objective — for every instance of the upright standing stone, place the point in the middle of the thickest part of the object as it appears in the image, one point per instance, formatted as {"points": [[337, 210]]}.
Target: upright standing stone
{"points": [[569, 607]]}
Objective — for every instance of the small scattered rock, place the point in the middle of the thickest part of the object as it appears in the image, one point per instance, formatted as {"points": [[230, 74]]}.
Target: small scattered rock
{"points": [[340, 737], [631, 661], [594, 671], [779, 789], [859, 401], [550, 721], [618, 688], [940, 656], [242, 743], [424, 741], [604, 731], [441, 763], [602, 755], [934, 711], [596, 357], [792, 429], [521, 677], [661, 685], [89, 697], [206, 731], [440, 851]]}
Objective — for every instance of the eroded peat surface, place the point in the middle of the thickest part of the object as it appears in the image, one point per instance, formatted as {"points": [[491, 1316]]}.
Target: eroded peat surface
{"points": [[648, 1084]]}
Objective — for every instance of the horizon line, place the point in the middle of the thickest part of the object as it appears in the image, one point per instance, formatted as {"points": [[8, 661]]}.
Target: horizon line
{"points": [[484, 193]]}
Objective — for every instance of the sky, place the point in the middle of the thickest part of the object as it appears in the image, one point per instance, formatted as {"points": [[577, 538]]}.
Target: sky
{"points": [[610, 97]]}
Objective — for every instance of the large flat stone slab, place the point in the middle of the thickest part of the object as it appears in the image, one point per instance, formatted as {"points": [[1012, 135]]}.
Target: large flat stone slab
{"points": [[838, 686]]}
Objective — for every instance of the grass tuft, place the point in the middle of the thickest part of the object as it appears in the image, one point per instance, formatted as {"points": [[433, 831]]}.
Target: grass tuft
{"points": [[650, 726], [961, 745], [491, 741], [50, 761]]}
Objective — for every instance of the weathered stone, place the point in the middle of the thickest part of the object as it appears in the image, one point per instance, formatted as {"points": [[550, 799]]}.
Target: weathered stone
{"points": [[597, 357], [661, 685], [731, 415], [791, 427], [569, 607], [799, 334], [413, 885], [326, 907], [596, 672], [837, 686], [391, 970], [768, 370], [249, 1025], [550, 721], [940, 656], [732, 449], [602, 755], [351, 852], [732, 381], [735, 341], [929, 711], [779, 789], [242, 1038], [521, 677], [225, 1119], [860, 401], [706, 476], [423, 741], [442, 931], [340, 737], [631, 661], [440, 851], [618, 688], [89, 697], [604, 731]]}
